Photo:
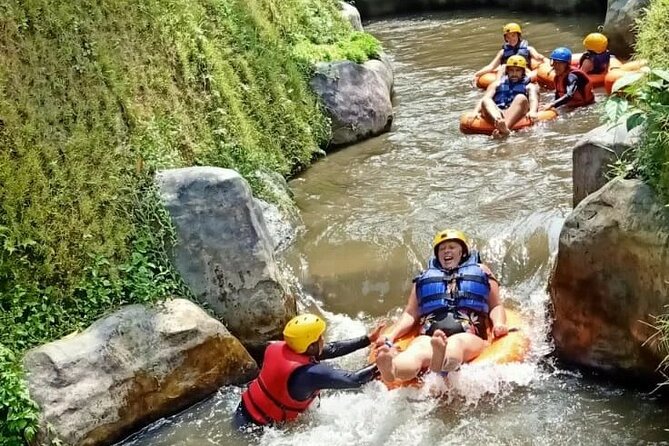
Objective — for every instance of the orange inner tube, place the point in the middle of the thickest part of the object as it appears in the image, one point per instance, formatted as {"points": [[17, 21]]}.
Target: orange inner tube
{"points": [[546, 75], [510, 348], [613, 75], [486, 79], [471, 123]]}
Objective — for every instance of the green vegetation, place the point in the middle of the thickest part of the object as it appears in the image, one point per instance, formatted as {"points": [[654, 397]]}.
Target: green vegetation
{"points": [[653, 36], [643, 99], [97, 95]]}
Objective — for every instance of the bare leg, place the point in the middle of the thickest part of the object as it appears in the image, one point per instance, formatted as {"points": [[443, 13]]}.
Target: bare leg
{"points": [[492, 113], [462, 347], [519, 107], [438, 342], [405, 365], [384, 361]]}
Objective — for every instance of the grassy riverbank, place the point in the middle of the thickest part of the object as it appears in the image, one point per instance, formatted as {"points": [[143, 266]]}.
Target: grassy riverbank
{"points": [[97, 95], [653, 158]]}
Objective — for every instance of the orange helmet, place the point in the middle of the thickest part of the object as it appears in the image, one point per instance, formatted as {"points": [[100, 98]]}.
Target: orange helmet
{"points": [[512, 28], [596, 42]]}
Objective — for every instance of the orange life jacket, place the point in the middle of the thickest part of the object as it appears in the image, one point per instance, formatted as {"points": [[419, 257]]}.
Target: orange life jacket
{"points": [[267, 399], [582, 96]]}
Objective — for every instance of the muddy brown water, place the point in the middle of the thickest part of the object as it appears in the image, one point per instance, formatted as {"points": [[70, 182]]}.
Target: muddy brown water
{"points": [[369, 213]]}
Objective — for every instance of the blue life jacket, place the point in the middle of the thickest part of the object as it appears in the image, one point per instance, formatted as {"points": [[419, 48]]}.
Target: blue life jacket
{"points": [[600, 61], [472, 288], [522, 49], [506, 91]]}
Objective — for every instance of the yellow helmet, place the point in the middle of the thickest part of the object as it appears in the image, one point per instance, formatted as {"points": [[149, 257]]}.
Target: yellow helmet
{"points": [[512, 28], [596, 42], [303, 330], [516, 61], [451, 234]]}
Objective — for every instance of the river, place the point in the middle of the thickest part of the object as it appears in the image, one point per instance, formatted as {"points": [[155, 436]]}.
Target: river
{"points": [[369, 214]]}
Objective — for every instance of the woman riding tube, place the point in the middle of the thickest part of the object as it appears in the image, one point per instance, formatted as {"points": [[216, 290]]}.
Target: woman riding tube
{"points": [[292, 375], [453, 302], [572, 86], [597, 57], [509, 99], [514, 45]]}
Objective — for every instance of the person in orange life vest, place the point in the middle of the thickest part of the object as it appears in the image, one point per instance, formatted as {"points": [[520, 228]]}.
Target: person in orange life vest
{"points": [[596, 58], [453, 302], [292, 376], [514, 45], [509, 99], [572, 86]]}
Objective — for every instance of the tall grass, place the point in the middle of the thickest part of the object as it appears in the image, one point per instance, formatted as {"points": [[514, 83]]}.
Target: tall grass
{"points": [[95, 95]]}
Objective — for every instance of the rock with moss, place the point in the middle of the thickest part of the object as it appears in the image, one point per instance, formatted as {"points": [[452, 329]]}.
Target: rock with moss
{"points": [[619, 25], [356, 97], [352, 15], [611, 277], [596, 153], [280, 213], [131, 368], [225, 253]]}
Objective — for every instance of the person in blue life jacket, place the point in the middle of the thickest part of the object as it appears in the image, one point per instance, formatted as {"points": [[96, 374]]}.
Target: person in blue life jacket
{"points": [[509, 99], [453, 302], [292, 375], [596, 58], [514, 45]]}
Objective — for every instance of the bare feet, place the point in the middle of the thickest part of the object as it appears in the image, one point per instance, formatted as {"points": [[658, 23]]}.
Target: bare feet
{"points": [[438, 342], [501, 129], [384, 361]]}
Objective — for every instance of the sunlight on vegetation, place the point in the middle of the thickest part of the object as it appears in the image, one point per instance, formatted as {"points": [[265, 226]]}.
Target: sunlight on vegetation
{"points": [[97, 95]]}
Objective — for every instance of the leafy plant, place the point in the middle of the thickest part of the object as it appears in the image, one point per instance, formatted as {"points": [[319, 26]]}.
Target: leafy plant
{"points": [[96, 95], [643, 100]]}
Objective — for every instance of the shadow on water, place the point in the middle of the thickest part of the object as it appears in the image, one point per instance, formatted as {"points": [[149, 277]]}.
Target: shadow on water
{"points": [[370, 211]]}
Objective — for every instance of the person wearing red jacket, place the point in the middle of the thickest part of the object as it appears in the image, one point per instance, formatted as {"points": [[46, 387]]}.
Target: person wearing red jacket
{"points": [[292, 375]]}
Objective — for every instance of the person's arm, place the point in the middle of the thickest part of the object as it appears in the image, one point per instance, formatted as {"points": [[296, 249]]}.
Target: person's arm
{"points": [[306, 380], [572, 86], [586, 65], [406, 321], [492, 65], [489, 93], [497, 312], [534, 54], [341, 348], [533, 98]]}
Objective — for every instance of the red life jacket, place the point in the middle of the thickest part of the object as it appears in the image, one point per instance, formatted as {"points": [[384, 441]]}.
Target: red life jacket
{"points": [[267, 399], [582, 96]]}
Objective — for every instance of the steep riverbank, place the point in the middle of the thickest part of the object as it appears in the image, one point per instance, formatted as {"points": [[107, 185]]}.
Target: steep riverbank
{"points": [[97, 96]]}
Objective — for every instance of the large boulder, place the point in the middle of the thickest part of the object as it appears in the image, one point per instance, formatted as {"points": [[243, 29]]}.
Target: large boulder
{"points": [[611, 277], [619, 25], [595, 153], [356, 97], [131, 368], [281, 215], [225, 253], [351, 14]]}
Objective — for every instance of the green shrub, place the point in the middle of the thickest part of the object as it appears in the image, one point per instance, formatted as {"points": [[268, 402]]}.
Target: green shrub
{"points": [[95, 95], [652, 41]]}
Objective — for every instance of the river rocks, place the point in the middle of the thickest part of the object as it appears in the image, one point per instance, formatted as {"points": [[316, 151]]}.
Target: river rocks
{"points": [[356, 97], [595, 153], [281, 216], [130, 368], [611, 276], [619, 25], [225, 252], [352, 15]]}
